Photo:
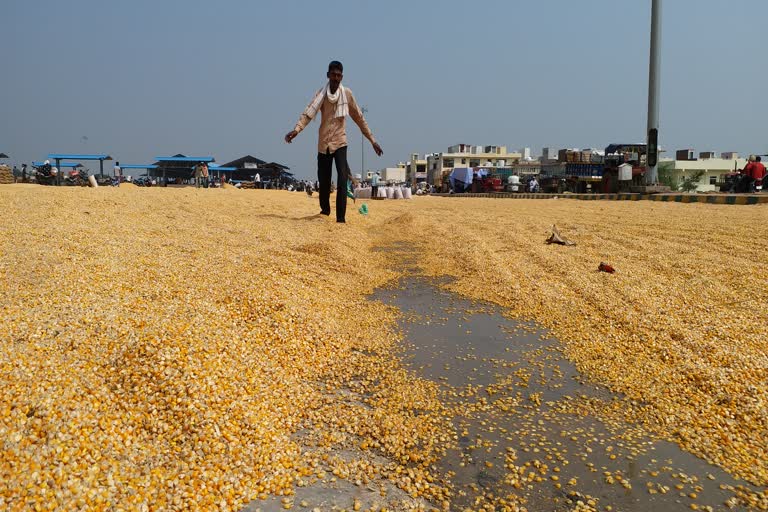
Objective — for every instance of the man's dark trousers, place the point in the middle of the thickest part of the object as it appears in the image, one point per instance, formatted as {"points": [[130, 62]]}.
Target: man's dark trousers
{"points": [[324, 170]]}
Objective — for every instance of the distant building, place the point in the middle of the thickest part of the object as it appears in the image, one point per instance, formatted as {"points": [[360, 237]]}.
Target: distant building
{"points": [[548, 155], [714, 169], [389, 174], [523, 169], [525, 154], [248, 166], [415, 169], [553, 168], [531, 168], [466, 155], [393, 175], [176, 167]]}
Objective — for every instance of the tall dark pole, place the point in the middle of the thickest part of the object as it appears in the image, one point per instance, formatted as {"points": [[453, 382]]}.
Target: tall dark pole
{"points": [[651, 175], [362, 148]]}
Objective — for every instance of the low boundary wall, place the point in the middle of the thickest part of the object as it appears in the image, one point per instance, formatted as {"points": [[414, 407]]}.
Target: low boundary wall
{"points": [[671, 198]]}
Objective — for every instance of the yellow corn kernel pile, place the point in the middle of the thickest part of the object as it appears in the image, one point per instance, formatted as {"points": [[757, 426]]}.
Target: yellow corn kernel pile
{"points": [[680, 327], [184, 349], [190, 349]]}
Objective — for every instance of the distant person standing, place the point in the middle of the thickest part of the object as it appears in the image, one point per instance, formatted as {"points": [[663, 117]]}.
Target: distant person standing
{"points": [[198, 174], [205, 174], [334, 102], [118, 173], [374, 185], [752, 172], [23, 173], [257, 181], [760, 171], [16, 174]]}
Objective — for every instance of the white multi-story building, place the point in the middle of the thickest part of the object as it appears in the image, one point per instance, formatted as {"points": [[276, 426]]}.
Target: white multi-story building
{"points": [[415, 169], [527, 168], [467, 155], [389, 174], [548, 155], [714, 169]]}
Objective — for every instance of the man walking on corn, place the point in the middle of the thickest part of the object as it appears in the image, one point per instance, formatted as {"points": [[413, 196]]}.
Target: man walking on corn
{"points": [[334, 102]]}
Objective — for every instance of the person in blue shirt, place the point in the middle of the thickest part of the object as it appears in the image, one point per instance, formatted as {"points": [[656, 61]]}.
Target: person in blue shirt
{"points": [[374, 185]]}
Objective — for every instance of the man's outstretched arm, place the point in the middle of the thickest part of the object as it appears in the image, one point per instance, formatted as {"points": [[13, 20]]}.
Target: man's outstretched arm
{"points": [[303, 121]]}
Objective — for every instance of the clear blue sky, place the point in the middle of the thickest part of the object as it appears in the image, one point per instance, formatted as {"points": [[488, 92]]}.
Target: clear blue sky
{"points": [[146, 78]]}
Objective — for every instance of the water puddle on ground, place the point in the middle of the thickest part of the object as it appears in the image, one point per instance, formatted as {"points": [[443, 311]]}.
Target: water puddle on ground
{"points": [[519, 403]]}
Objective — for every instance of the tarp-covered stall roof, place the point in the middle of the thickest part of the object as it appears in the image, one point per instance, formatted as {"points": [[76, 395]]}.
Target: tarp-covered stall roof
{"points": [[68, 156], [248, 166], [138, 166], [194, 159], [179, 166], [78, 156], [62, 165]]}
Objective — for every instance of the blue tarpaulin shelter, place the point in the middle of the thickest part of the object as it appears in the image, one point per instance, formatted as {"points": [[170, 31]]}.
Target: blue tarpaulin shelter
{"points": [[179, 166], [460, 179], [182, 158], [138, 166], [61, 166], [221, 168], [248, 166], [67, 156]]}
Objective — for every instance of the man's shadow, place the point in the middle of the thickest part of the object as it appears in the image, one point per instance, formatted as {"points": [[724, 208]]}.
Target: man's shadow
{"points": [[312, 217]]}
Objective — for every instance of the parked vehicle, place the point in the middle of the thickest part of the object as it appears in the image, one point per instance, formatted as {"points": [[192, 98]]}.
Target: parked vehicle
{"points": [[104, 181], [735, 182], [513, 184], [615, 156], [552, 185], [77, 177], [143, 181], [490, 184], [44, 174]]}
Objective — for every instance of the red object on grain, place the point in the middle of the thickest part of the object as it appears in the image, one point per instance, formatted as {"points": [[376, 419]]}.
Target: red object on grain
{"points": [[604, 267]]}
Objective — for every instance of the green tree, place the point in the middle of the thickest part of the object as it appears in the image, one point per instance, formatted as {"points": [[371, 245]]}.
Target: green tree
{"points": [[690, 183], [666, 176]]}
